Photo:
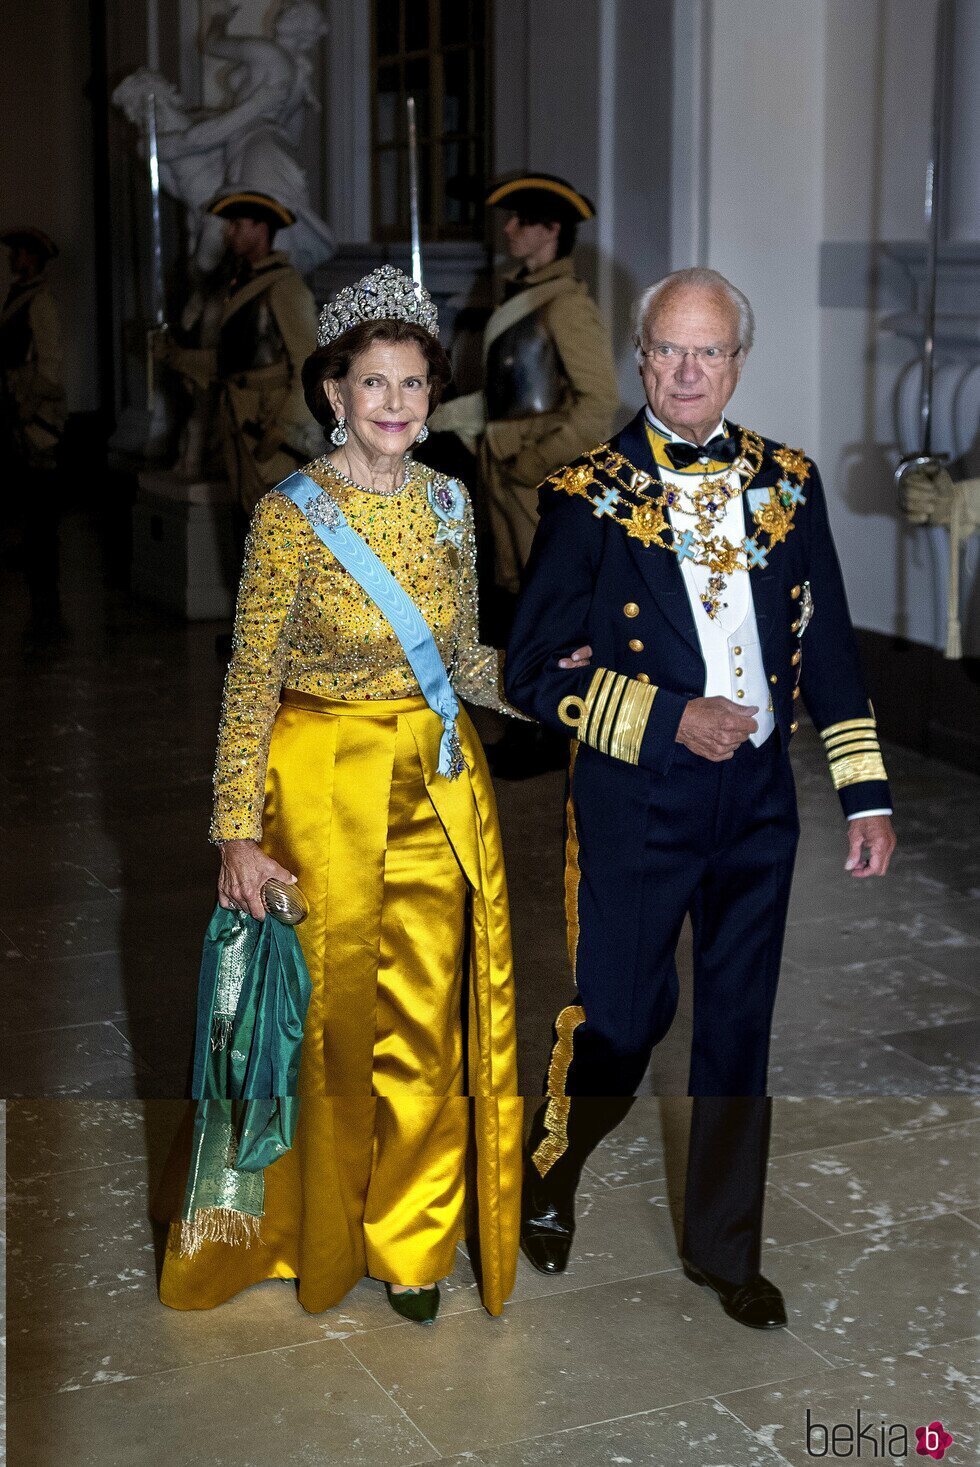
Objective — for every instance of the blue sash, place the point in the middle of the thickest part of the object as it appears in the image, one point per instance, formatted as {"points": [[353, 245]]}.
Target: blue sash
{"points": [[407, 622]]}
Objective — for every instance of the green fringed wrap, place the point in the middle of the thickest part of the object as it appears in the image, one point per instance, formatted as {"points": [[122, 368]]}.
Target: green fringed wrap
{"points": [[253, 994]]}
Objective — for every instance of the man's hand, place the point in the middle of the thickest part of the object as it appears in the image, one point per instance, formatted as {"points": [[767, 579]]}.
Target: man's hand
{"points": [[876, 833], [715, 727], [581, 657]]}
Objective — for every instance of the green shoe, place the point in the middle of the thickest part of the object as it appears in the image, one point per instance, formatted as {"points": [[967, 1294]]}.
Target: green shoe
{"points": [[420, 1305]]}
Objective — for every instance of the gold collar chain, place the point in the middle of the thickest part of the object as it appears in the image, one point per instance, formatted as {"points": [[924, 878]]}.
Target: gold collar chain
{"points": [[624, 495]]}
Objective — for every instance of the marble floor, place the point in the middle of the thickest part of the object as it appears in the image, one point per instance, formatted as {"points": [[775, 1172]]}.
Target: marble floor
{"points": [[871, 1230], [106, 881]]}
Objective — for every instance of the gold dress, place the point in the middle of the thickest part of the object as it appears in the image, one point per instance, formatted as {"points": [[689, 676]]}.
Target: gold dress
{"points": [[328, 754]]}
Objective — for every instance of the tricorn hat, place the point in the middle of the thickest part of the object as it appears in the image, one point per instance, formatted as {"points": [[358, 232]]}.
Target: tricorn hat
{"points": [[542, 194], [25, 236], [250, 204]]}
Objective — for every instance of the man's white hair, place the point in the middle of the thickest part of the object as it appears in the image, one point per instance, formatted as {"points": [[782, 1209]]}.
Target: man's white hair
{"points": [[705, 279]]}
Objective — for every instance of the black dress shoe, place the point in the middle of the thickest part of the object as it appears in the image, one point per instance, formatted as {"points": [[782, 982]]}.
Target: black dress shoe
{"points": [[547, 1230], [759, 1304]]}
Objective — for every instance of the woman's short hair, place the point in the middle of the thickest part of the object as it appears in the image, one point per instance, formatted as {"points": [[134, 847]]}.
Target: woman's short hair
{"points": [[332, 362]]}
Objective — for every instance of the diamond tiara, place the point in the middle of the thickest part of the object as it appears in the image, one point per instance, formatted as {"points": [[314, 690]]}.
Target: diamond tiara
{"points": [[387, 294]]}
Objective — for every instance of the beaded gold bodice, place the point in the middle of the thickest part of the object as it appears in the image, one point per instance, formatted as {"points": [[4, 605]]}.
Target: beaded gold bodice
{"points": [[303, 622]]}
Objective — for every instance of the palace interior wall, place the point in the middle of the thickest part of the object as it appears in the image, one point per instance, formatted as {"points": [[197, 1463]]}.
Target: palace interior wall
{"points": [[784, 144]]}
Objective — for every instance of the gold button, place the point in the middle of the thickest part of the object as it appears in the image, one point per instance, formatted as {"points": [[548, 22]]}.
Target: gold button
{"points": [[795, 626], [738, 672], [773, 678], [641, 677], [794, 660], [631, 609], [795, 593], [796, 692], [793, 727], [635, 644], [739, 693], [737, 651]]}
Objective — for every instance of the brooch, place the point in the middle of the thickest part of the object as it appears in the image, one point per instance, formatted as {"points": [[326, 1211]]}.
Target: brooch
{"points": [[448, 504], [325, 511]]}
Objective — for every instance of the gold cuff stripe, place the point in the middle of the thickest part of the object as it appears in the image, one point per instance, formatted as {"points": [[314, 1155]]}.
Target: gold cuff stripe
{"points": [[856, 746], [613, 715], [593, 694], [595, 731], [849, 723], [857, 769], [848, 741], [634, 715], [852, 733], [555, 1142]]}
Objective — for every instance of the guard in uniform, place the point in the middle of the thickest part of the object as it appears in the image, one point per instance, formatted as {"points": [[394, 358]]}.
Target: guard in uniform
{"points": [[32, 418], [694, 557], [268, 329], [549, 393]]}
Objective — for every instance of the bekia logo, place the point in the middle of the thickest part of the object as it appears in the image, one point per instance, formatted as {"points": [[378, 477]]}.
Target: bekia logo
{"points": [[933, 1440], [874, 1438]]}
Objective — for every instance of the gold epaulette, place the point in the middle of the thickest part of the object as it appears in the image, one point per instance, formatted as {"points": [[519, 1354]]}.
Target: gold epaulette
{"points": [[613, 715], [853, 751]]}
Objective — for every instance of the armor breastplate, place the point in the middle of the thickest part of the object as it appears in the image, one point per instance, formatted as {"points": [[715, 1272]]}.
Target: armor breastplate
{"points": [[524, 373], [250, 338]]}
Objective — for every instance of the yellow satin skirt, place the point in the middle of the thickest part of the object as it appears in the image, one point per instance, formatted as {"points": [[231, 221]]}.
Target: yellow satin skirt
{"points": [[409, 1054]]}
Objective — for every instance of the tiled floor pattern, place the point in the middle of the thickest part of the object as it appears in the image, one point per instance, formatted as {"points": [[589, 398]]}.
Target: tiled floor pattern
{"points": [[106, 883], [873, 1228]]}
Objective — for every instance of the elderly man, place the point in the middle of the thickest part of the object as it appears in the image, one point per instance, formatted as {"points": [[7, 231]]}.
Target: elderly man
{"points": [[691, 555]]}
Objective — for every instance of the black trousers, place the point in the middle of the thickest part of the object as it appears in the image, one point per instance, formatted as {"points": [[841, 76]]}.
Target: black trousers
{"points": [[718, 842], [724, 1193]]}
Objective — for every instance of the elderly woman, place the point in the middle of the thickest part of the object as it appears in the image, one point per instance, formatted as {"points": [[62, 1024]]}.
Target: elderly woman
{"points": [[345, 763]]}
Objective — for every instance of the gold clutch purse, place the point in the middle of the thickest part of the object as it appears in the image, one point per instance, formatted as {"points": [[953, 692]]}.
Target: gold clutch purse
{"points": [[286, 903]]}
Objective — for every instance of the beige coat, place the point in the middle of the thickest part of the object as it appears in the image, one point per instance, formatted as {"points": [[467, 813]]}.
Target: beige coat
{"points": [[266, 427], [36, 388], [517, 453]]}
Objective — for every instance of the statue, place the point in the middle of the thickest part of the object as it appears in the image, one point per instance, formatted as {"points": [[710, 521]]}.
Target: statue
{"points": [[248, 144]]}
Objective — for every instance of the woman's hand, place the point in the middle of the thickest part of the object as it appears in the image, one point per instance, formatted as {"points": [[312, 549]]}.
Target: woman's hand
{"points": [[581, 657], [245, 868]]}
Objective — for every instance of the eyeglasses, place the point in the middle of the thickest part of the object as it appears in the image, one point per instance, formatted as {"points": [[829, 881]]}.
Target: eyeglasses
{"points": [[711, 358]]}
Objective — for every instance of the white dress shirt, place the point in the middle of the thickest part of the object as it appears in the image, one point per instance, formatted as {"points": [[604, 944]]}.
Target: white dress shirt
{"points": [[729, 641]]}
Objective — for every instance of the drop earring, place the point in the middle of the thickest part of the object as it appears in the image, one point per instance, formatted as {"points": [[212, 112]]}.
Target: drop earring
{"points": [[423, 433], [339, 435]]}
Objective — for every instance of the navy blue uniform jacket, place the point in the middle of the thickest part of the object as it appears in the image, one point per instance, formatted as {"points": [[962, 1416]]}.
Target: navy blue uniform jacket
{"points": [[589, 582]]}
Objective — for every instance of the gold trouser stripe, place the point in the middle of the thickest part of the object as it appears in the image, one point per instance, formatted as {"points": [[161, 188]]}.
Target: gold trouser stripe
{"points": [[555, 1142], [857, 769], [849, 723]]}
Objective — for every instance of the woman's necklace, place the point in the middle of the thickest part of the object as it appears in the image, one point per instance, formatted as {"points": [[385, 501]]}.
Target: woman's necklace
{"points": [[328, 464]]}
